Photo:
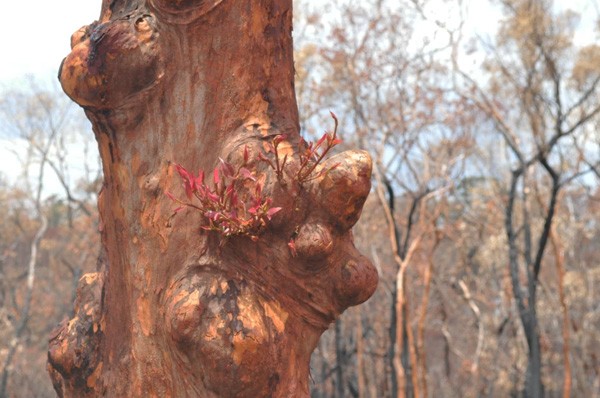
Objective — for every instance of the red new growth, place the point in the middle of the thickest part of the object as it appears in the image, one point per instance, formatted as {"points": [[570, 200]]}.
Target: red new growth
{"points": [[310, 157], [233, 205]]}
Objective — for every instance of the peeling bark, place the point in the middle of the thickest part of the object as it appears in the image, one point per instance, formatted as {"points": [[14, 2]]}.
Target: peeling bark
{"points": [[177, 311]]}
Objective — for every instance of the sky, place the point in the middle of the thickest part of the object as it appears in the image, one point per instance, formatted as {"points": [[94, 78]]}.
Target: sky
{"points": [[35, 34]]}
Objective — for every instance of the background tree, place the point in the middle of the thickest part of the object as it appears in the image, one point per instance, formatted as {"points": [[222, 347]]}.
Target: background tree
{"points": [[542, 131], [357, 69], [49, 231]]}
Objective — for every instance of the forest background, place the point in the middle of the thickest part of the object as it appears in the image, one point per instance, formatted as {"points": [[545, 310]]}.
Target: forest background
{"points": [[483, 120]]}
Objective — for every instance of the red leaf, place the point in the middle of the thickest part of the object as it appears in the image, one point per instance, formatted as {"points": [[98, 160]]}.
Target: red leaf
{"points": [[211, 196], [216, 175], [230, 188], [227, 168], [246, 156], [321, 140], [183, 172]]}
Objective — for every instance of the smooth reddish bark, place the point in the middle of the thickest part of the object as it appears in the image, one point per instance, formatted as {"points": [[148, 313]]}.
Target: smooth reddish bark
{"points": [[174, 311]]}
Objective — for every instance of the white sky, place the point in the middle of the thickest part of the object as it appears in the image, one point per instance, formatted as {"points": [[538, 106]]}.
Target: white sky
{"points": [[35, 34]]}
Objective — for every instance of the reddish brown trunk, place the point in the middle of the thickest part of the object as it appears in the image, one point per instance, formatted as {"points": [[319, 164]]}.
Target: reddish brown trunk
{"points": [[175, 311]]}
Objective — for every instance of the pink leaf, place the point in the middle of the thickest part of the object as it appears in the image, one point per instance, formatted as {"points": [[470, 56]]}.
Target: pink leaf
{"points": [[247, 174], [272, 211], [212, 215]]}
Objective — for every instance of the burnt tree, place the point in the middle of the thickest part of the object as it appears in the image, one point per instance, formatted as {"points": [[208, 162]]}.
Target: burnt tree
{"points": [[175, 310]]}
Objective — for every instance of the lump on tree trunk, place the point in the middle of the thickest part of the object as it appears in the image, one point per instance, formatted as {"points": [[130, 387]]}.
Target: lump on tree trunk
{"points": [[175, 310]]}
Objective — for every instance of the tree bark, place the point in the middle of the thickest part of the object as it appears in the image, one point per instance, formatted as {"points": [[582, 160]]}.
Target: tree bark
{"points": [[175, 310]]}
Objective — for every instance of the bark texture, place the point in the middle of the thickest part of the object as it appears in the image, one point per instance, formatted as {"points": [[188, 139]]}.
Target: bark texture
{"points": [[174, 311]]}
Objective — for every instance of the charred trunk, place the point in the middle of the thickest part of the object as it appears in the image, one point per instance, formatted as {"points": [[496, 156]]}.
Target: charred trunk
{"points": [[175, 310]]}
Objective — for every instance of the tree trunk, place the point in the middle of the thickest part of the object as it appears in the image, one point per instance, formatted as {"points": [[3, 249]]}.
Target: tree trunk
{"points": [[175, 310], [533, 377]]}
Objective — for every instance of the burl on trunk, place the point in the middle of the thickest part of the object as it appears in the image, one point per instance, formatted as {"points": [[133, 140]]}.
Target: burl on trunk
{"points": [[175, 310]]}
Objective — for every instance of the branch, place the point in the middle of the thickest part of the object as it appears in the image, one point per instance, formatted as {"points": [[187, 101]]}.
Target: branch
{"points": [[512, 247], [480, 327], [548, 219], [591, 90]]}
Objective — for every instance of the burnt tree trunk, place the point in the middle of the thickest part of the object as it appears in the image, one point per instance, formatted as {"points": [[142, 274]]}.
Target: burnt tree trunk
{"points": [[174, 310]]}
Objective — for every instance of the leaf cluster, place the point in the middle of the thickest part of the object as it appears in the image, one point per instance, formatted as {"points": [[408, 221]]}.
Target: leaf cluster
{"points": [[310, 157], [232, 204]]}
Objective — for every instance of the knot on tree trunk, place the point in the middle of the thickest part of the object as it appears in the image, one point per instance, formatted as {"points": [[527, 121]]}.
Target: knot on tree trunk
{"points": [[73, 356], [250, 306], [91, 81]]}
